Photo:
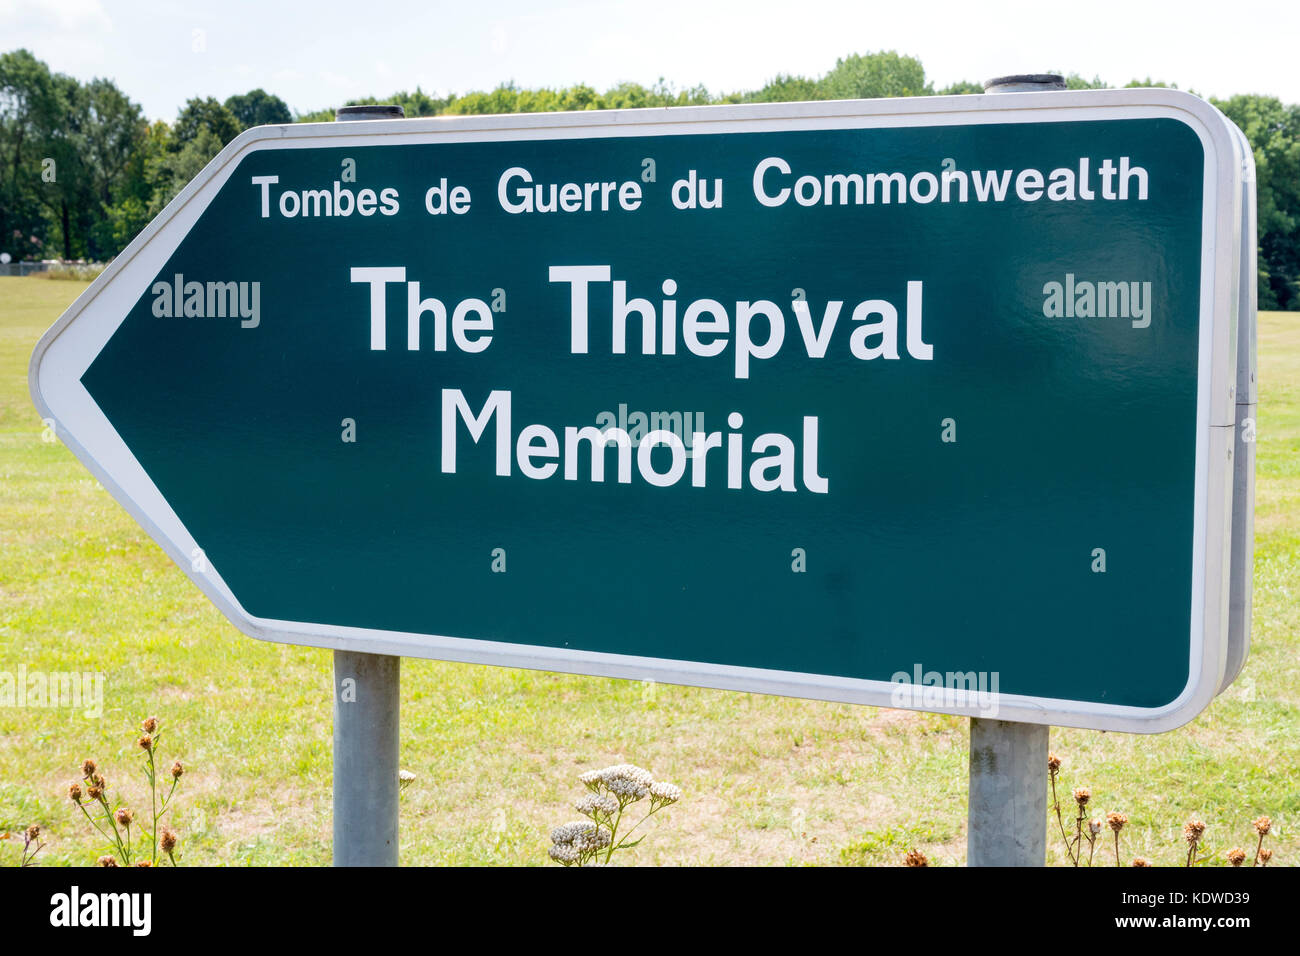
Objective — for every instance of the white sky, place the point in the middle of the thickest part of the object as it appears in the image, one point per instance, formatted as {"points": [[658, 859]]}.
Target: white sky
{"points": [[316, 54]]}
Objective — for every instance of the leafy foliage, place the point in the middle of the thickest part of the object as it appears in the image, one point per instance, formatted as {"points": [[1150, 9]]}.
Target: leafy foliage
{"points": [[258, 108], [1274, 133]]}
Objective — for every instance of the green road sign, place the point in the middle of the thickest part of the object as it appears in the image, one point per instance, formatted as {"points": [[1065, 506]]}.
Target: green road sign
{"points": [[923, 403]]}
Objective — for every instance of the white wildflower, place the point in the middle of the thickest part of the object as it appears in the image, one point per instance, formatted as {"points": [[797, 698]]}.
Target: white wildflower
{"points": [[611, 791], [568, 832], [593, 803], [665, 792], [626, 781], [629, 789], [627, 771], [564, 853], [592, 840]]}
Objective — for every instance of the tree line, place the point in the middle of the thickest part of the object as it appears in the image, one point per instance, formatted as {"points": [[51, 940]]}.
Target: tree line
{"points": [[82, 170]]}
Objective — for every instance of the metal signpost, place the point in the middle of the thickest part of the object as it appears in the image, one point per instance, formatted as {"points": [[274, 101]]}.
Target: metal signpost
{"points": [[1007, 786], [367, 726], [1007, 792], [924, 403]]}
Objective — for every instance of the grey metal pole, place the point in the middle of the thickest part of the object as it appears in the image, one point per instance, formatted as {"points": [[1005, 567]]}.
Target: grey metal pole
{"points": [[366, 718], [366, 721], [1007, 815], [1006, 818]]}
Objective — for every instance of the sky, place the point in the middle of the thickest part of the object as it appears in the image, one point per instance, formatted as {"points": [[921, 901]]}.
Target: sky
{"points": [[319, 54]]}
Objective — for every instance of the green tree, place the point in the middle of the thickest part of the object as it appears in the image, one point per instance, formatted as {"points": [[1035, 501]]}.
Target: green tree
{"points": [[201, 114], [201, 129], [1274, 133], [130, 211], [176, 168], [37, 159], [67, 151], [1148, 82], [1073, 81], [872, 75], [258, 108], [962, 88], [504, 99], [784, 88], [111, 136]]}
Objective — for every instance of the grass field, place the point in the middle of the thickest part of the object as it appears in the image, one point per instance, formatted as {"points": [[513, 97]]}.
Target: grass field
{"points": [[767, 780]]}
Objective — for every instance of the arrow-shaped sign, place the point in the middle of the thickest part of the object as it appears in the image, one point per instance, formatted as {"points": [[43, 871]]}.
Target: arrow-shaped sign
{"points": [[923, 403]]}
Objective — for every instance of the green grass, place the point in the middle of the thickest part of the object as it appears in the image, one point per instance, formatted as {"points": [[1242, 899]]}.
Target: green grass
{"points": [[766, 779]]}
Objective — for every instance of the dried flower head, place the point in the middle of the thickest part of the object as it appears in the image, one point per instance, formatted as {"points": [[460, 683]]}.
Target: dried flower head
{"points": [[177, 770], [565, 853], [591, 840], [628, 771], [1265, 855], [1094, 826], [149, 724], [626, 781], [915, 858], [566, 833], [88, 768], [1192, 830], [1082, 795], [611, 790], [168, 840], [1053, 761], [1236, 856], [145, 863], [74, 793], [146, 743], [665, 793], [1140, 861], [123, 816], [627, 790], [1263, 825], [106, 861], [1116, 820], [597, 803], [33, 833], [94, 791]]}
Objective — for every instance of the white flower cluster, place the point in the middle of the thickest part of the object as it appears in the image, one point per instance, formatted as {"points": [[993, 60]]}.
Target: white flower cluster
{"points": [[568, 832], [612, 790], [565, 853], [665, 792], [625, 781], [592, 840], [574, 842], [592, 804]]}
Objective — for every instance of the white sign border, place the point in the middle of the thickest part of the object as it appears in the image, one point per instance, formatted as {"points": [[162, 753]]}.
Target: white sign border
{"points": [[60, 359]]}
